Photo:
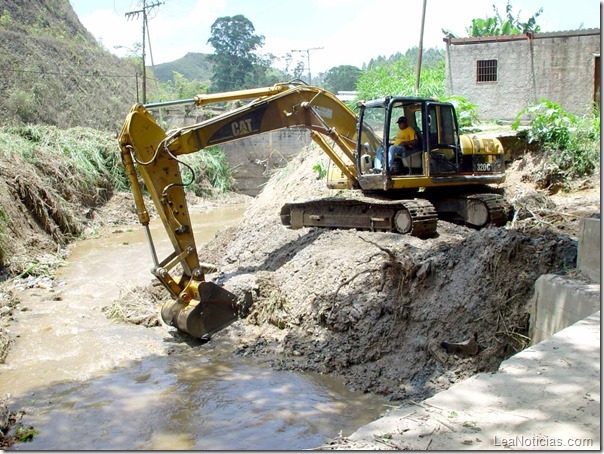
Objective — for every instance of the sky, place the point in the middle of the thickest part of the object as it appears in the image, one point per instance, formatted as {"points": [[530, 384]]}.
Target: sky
{"points": [[327, 32]]}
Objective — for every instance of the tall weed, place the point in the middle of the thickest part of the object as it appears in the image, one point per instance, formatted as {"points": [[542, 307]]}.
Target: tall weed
{"points": [[81, 160], [212, 172], [572, 142]]}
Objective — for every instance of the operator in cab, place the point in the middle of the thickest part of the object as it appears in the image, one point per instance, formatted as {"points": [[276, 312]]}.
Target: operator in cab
{"points": [[405, 141]]}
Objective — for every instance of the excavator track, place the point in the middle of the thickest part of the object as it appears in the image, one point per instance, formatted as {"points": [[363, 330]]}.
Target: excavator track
{"points": [[416, 217], [498, 208], [476, 210]]}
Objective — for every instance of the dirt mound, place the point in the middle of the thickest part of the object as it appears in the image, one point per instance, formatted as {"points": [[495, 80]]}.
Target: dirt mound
{"points": [[555, 207], [375, 307]]}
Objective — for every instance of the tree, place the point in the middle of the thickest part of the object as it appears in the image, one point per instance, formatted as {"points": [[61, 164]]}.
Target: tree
{"points": [[341, 78], [235, 63], [500, 25]]}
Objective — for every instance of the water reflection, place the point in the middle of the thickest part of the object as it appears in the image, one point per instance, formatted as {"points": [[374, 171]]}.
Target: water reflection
{"points": [[88, 383], [195, 402]]}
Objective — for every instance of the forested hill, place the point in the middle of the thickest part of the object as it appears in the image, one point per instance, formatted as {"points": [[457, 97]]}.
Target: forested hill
{"points": [[54, 71], [193, 66]]}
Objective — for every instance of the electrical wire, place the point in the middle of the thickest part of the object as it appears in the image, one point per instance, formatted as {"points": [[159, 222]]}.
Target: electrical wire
{"points": [[59, 73], [164, 145]]}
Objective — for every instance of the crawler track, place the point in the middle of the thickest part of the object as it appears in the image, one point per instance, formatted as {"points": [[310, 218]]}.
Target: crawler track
{"points": [[476, 210], [499, 209], [414, 216]]}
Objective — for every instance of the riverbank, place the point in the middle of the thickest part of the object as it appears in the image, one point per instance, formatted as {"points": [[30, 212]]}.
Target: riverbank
{"points": [[368, 308], [545, 397], [78, 380]]}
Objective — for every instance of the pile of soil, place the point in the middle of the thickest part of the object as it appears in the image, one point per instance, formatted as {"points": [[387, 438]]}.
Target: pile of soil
{"points": [[374, 308]]}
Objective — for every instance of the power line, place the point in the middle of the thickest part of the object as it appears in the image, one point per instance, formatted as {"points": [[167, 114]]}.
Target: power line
{"points": [[136, 14], [64, 73], [307, 59]]}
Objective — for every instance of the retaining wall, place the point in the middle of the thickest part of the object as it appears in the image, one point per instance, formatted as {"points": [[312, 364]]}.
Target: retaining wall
{"points": [[560, 301]]}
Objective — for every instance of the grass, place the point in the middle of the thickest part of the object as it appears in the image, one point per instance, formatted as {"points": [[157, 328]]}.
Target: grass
{"points": [[25, 434], [84, 158], [55, 175], [137, 305], [212, 172], [58, 175]]}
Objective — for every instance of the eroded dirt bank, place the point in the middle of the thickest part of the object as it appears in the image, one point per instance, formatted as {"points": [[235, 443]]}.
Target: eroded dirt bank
{"points": [[375, 307]]}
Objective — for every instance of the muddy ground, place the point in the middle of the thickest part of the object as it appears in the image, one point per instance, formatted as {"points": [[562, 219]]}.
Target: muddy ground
{"points": [[374, 308]]}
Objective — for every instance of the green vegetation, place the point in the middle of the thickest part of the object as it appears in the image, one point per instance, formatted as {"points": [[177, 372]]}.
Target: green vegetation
{"points": [[341, 78], [61, 176], [467, 115], [57, 176], [54, 72], [179, 87], [396, 76], [25, 434], [38, 268], [319, 167], [236, 65], [500, 24], [193, 66], [572, 143], [81, 159], [212, 173]]}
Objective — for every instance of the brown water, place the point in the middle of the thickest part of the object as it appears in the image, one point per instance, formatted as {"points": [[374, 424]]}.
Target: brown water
{"points": [[89, 383]]}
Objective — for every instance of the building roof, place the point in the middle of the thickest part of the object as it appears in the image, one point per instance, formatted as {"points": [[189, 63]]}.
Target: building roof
{"points": [[523, 36]]}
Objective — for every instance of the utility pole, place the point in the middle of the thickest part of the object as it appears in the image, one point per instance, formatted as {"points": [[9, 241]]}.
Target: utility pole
{"points": [[135, 14], [307, 59], [420, 50]]}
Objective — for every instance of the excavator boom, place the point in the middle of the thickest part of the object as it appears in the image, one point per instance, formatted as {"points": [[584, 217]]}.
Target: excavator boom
{"points": [[353, 143], [201, 308]]}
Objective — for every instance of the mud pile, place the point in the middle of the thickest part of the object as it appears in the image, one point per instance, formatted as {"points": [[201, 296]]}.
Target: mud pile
{"points": [[375, 307]]}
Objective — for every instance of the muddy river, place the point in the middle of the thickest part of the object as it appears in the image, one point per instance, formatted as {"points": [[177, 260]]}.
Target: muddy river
{"points": [[88, 383]]}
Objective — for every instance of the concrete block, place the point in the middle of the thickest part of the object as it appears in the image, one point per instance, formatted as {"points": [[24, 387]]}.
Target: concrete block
{"points": [[588, 258], [559, 302]]}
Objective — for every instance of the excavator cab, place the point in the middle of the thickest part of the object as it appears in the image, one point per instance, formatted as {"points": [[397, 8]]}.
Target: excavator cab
{"points": [[436, 152]]}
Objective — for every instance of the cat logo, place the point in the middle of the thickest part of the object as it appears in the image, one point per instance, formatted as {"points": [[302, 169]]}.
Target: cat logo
{"points": [[241, 127]]}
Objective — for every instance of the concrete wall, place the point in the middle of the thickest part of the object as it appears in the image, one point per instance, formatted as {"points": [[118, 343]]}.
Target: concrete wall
{"points": [[500, 100], [254, 160], [565, 70], [558, 66], [560, 301], [588, 257]]}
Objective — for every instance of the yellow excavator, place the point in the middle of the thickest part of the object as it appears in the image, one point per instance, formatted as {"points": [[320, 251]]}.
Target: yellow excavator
{"points": [[444, 175]]}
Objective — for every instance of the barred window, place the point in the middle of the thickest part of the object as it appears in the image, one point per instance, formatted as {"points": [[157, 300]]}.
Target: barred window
{"points": [[486, 71]]}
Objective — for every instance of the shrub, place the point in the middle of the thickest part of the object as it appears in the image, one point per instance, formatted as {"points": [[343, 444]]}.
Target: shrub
{"points": [[572, 142], [212, 172]]}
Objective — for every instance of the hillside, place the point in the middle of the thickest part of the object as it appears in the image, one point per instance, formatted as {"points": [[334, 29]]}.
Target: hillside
{"points": [[55, 72], [194, 66]]}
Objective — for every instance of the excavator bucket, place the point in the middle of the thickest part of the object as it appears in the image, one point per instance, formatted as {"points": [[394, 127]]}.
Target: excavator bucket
{"points": [[215, 310]]}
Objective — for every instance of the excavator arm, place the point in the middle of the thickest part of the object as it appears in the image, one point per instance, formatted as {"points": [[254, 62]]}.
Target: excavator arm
{"points": [[201, 308]]}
